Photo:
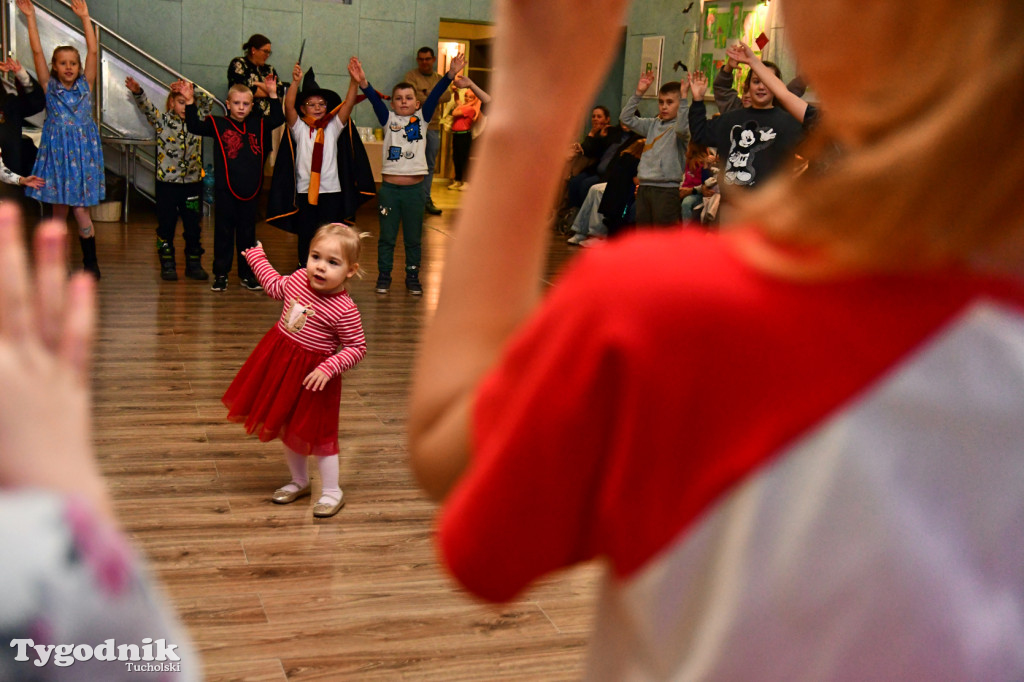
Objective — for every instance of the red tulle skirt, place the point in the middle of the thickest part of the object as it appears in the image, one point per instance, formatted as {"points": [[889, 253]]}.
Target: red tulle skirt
{"points": [[268, 397]]}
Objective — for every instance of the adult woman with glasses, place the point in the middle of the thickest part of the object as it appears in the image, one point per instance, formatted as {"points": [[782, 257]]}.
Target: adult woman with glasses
{"points": [[252, 69]]}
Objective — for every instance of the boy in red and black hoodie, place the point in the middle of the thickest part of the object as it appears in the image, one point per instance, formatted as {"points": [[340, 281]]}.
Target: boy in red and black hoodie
{"points": [[243, 139]]}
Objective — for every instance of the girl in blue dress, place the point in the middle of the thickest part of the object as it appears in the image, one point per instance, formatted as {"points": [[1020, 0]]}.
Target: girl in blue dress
{"points": [[70, 158]]}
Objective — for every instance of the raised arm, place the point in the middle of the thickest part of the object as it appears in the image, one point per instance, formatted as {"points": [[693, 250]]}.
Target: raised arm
{"points": [[46, 332], [701, 129], [628, 115], [349, 103], [726, 97], [441, 87], [152, 115], [467, 82], [492, 280], [355, 71], [682, 120], [38, 58], [31, 99], [290, 114], [92, 48], [193, 123], [796, 107], [276, 115]]}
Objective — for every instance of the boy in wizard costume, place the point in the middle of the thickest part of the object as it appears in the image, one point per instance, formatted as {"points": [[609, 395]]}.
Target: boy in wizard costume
{"points": [[322, 174]]}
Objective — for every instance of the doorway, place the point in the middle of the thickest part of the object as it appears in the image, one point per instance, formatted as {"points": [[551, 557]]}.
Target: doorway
{"points": [[475, 39]]}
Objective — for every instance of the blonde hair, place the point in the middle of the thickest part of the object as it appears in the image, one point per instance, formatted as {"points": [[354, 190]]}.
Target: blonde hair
{"points": [[241, 89], [350, 240], [53, 59], [945, 103]]}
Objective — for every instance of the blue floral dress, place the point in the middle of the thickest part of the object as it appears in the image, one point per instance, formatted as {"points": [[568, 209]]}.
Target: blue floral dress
{"points": [[70, 156]]}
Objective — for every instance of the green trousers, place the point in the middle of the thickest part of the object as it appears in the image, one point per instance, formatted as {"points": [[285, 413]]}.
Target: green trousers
{"points": [[400, 206]]}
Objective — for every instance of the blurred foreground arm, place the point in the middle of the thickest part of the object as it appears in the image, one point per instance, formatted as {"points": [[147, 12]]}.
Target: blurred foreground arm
{"points": [[492, 277], [46, 331]]}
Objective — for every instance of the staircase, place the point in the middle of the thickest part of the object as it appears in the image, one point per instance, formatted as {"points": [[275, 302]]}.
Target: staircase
{"points": [[128, 140]]}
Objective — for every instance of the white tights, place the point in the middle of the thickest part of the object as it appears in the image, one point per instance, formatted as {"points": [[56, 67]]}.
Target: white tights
{"points": [[298, 465]]}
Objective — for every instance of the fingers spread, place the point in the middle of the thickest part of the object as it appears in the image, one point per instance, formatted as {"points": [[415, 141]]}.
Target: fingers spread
{"points": [[79, 324], [51, 276], [15, 308]]}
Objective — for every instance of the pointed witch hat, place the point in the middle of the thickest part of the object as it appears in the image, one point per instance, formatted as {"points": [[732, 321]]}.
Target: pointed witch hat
{"points": [[310, 88]]}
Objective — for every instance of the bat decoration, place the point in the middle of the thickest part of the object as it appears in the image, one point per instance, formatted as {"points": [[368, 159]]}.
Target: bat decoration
{"points": [[678, 65], [688, 8]]}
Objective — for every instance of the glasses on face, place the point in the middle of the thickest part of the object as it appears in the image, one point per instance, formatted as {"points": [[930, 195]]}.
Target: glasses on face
{"points": [[266, 50]]}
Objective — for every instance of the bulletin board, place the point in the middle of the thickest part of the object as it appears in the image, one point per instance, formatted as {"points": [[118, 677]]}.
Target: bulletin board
{"points": [[722, 24]]}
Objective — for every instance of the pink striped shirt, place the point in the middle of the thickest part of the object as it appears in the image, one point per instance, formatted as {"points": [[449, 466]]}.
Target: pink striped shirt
{"points": [[330, 324]]}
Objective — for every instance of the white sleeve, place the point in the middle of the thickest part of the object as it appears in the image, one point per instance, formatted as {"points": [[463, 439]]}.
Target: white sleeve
{"points": [[8, 176]]}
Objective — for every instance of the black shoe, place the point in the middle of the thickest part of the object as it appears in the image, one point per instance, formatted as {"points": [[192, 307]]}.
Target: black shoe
{"points": [[194, 269], [93, 268], [220, 283], [383, 283], [165, 251], [412, 281], [89, 262], [250, 283], [431, 209]]}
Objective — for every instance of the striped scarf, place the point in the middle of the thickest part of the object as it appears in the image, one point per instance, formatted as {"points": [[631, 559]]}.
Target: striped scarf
{"points": [[317, 126]]}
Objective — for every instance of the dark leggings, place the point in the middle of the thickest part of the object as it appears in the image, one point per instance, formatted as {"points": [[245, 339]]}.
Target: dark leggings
{"points": [[462, 142]]}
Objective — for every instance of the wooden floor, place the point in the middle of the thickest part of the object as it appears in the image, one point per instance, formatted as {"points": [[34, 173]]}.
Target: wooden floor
{"points": [[267, 592]]}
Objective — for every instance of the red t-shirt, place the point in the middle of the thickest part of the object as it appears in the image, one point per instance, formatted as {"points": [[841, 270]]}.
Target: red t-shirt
{"points": [[787, 480]]}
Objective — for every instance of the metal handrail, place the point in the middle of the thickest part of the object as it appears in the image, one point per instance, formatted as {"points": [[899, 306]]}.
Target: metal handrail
{"points": [[107, 118], [13, 12]]}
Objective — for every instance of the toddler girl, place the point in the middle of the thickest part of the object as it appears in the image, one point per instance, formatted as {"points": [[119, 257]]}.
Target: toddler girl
{"points": [[179, 172], [70, 160], [290, 387]]}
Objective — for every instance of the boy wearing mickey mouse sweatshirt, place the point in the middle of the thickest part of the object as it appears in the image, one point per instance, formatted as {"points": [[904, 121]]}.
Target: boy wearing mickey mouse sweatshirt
{"points": [[752, 142]]}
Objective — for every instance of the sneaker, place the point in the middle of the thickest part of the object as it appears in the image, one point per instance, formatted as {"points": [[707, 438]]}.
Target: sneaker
{"points": [[383, 283], [412, 281], [250, 283], [220, 283], [463, 186], [455, 184], [577, 238], [431, 209]]}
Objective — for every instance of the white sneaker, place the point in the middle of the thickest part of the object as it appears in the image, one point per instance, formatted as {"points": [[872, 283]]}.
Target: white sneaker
{"points": [[463, 186], [577, 238], [455, 184]]}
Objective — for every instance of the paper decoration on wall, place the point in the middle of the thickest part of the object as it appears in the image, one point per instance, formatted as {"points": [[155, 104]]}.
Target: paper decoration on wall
{"points": [[710, 21], [707, 64], [761, 41], [736, 19], [688, 8]]}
